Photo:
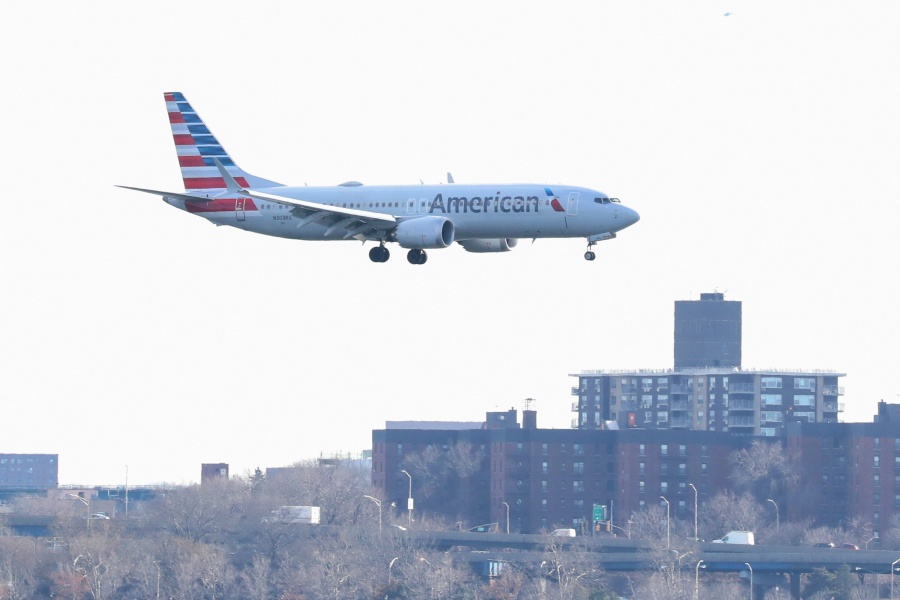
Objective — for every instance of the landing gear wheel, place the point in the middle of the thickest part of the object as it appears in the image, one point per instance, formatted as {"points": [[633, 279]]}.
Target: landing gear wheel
{"points": [[417, 257], [589, 255], [379, 254]]}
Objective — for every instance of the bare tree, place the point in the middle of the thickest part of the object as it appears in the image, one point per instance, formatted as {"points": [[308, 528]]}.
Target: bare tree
{"points": [[20, 561], [763, 469], [730, 512]]}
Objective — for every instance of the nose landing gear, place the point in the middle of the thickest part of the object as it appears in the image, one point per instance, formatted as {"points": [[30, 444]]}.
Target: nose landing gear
{"points": [[589, 255]]}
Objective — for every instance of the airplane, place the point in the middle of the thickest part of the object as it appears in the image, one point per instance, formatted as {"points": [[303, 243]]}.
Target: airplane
{"points": [[478, 217]]}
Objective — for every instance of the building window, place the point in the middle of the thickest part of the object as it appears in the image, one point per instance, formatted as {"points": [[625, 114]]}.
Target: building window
{"points": [[664, 487], [641, 486], [771, 383], [544, 504], [682, 469], [642, 450], [804, 383], [578, 449], [682, 450], [664, 450], [804, 400], [543, 485], [877, 460], [578, 467], [544, 468], [578, 486], [770, 399], [641, 469]]}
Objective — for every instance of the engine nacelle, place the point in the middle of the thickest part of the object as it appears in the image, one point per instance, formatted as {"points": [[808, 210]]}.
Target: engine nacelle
{"points": [[501, 245], [425, 232]]}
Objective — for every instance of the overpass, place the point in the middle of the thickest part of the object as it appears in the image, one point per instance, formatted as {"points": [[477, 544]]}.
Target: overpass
{"points": [[768, 563]]}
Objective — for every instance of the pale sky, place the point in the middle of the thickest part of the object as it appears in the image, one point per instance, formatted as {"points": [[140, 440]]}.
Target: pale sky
{"points": [[760, 148]]}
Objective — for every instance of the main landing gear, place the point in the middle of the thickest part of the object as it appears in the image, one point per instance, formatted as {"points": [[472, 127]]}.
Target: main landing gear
{"points": [[379, 254], [416, 257]]}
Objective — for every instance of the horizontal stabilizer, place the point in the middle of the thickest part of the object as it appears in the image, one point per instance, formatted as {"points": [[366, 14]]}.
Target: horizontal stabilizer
{"points": [[180, 196]]}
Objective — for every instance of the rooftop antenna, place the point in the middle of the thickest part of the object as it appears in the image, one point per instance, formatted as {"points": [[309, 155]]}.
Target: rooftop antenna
{"points": [[529, 402]]}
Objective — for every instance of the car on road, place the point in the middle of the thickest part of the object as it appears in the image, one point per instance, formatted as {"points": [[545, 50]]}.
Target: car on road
{"points": [[849, 546], [824, 545]]}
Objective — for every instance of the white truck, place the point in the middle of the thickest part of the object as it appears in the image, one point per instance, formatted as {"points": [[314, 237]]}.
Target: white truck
{"points": [[302, 515], [737, 537]]}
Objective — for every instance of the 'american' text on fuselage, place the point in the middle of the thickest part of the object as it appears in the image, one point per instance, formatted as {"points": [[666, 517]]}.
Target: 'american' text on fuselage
{"points": [[478, 204]]}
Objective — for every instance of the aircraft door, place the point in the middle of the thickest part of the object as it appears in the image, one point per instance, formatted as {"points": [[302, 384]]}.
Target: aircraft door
{"points": [[239, 208], [573, 204]]}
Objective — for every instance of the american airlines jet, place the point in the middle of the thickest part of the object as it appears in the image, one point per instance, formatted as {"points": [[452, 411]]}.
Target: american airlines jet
{"points": [[479, 217]]}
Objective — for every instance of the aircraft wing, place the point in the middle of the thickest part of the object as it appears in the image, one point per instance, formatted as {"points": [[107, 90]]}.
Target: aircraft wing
{"points": [[352, 222], [303, 205]]}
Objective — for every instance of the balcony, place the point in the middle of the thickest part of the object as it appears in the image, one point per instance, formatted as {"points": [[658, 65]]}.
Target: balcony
{"points": [[830, 407], [679, 389], [628, 405], [575, 407], [833, 390], [680, 405], [741, 404], [741, 388], [681, 423], [740, 421], [576, 391], [628, 388]]}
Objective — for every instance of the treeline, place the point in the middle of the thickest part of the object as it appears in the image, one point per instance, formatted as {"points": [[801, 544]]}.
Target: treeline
{"points": [[218, 541]]}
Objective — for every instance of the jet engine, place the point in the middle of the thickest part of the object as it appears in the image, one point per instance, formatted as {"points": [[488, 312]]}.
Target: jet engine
{"points": [[501, 245], [425, 232]]}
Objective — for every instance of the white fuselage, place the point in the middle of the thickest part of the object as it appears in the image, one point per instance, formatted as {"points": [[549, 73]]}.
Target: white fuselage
{"points": [[477, 211]]}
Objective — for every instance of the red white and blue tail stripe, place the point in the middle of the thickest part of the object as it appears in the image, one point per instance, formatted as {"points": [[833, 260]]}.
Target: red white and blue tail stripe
{"points": [[197, 147]]}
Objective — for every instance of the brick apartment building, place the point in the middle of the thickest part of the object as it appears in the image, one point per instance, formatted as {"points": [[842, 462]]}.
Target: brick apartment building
{"points": [[28, 471], [847, 470], [554, 477]]}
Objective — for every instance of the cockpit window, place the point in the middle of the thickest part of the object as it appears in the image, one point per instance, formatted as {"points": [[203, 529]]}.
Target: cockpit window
{"points": [[616, 200], [602, 200]]}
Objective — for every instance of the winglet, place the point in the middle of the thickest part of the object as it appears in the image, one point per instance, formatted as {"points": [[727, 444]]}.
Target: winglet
{"points": [[230, 184]]}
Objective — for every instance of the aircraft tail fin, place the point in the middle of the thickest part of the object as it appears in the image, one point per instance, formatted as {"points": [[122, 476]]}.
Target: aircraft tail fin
{"points": [[198, 151]]}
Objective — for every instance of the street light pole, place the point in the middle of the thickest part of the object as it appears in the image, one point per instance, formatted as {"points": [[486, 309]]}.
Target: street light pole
{"points": [[389, 568], [893, 564], [668, 536], [507, 517], [87, 503], [696, 536], [751, 580], [409, 500], [777, 518], [378, 502], [697, 580]]}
